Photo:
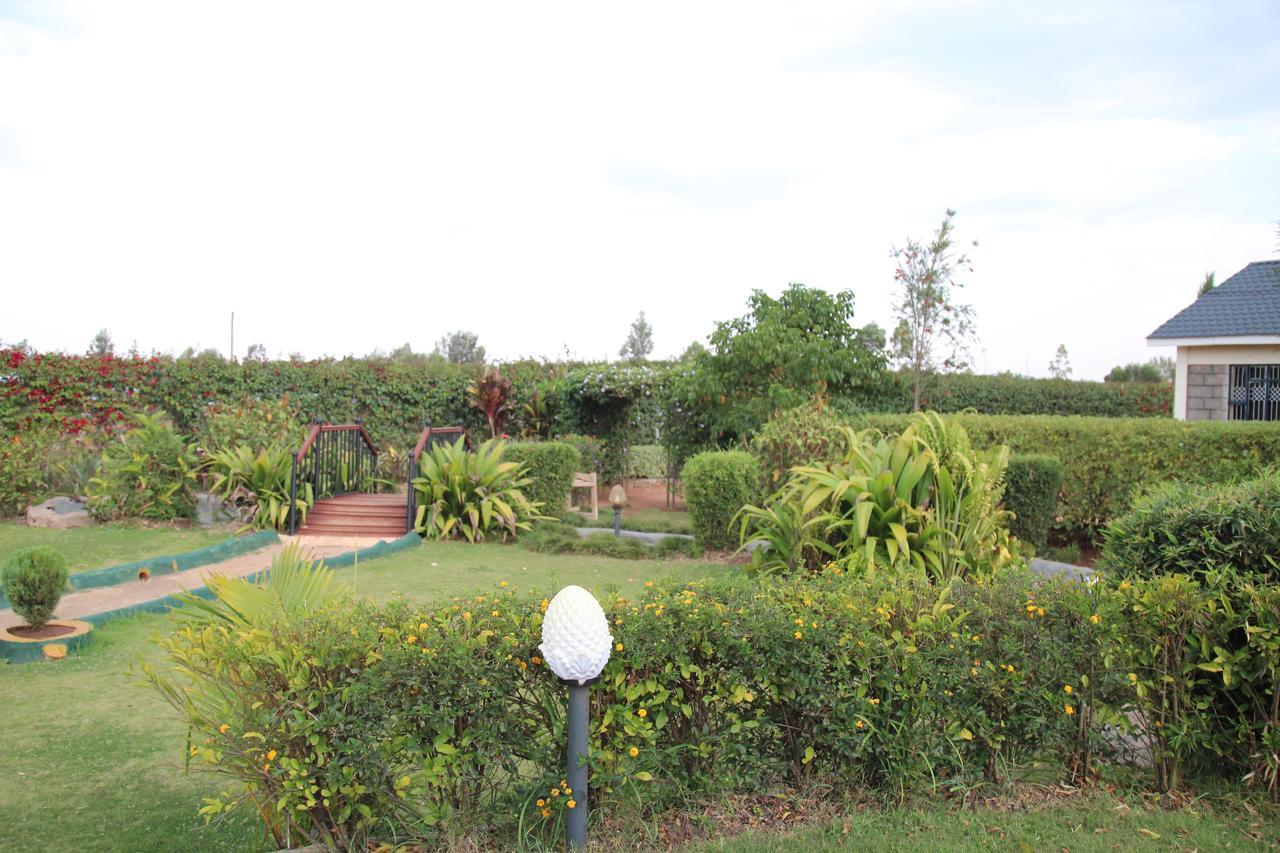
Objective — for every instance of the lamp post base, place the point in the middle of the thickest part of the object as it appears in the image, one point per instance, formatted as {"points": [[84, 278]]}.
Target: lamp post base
{"points": [[576, 775]]}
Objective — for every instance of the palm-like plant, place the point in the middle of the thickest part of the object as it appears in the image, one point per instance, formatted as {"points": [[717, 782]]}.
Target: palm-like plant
{"points": [[923, 501], [264, 478], [295, 583], [471, 494], [490, 395]]}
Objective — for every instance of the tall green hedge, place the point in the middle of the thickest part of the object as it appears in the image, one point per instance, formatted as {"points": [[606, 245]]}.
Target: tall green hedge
{"points": [[551, 466], [1107, 460], [1031, 484], [1021, 395], [717, 484]]}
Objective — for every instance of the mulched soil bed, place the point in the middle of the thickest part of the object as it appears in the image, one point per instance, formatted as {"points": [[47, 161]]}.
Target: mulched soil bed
{"points": [[44, 632]]}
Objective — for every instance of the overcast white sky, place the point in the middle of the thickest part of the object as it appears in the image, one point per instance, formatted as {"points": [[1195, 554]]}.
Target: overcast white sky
{"points": [[358, 175]]}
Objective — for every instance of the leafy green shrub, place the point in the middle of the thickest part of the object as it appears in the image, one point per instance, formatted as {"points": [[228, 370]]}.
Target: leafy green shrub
{"points": [[261, 425], [717, 485], [563, 539], [801, 436], [591, 451], [549, 466], [646, 461], [1031, 483], [261, 480], [471, 494], [1192, 529], [924, 501], [22, 479], [34, 580], [1019, 395], [1108, 460], [147, 473]]}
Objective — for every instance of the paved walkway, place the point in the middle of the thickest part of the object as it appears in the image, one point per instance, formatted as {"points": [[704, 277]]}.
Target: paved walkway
{"points": [[88, 602]]}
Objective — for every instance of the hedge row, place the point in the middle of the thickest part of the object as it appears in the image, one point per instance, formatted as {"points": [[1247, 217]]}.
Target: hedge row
{"points": [[1017, 395], [1031, 484], [551, 466], [421, 721], [1107, 460], [717, 485]]}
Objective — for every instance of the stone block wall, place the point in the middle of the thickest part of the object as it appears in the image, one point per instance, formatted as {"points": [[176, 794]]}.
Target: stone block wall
{"points": [[1207, 392]]}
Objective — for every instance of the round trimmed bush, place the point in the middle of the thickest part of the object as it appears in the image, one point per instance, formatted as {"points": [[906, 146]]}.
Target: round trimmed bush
{"points": [[717, 485], [1031, 484], [34, 580]]}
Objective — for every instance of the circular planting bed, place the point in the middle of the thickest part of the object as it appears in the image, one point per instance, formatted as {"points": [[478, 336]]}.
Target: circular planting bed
{"points": [[51, 641]]}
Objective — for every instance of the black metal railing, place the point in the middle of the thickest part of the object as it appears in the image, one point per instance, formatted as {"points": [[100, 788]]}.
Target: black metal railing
{"points": [[428, 438], [334, 459]]}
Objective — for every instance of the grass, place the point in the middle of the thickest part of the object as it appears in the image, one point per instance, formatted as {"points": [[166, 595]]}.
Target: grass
{"points": [[648, 520], [1081, 823], [93, 760], [108, 545]]}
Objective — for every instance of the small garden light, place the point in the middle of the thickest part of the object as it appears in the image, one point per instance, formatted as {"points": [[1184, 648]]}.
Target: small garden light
{"points": [[576, 644], [618, 498]]}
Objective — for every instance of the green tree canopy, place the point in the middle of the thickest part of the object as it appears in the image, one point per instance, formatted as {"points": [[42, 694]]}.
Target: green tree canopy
{"points": [[786, 351]]}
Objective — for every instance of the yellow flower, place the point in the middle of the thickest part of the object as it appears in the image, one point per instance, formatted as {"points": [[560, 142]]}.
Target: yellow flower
{"points": [[573, 804], [1068, 709], [568, 791], [546, 602], [1067, 688], [502, 584], [1124, 584], [648, 583], [224, 728], [860, 724], [266, 767], [1040, 611], [541, 803], [546, 812], [874, 701], [466, 614], [1095, 618], [555, 792], [194, 750], [974, 638], [493, 613], [800, 622], [799, 635], [536, 659], [411, 639], [617, 647], [1133, 677], [271, 755], [633, 752], [642, 713], [423, 626]]}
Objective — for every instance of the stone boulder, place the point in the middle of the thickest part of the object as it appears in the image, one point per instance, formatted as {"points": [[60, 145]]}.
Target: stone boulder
{"points": [[58, 513]]}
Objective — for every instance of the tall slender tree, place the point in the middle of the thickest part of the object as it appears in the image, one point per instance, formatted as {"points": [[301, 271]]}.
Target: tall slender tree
{"points": [[934, 330], [639, 341]]}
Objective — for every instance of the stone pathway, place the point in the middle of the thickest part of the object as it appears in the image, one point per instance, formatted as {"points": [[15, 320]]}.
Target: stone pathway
{"points": [[89, 602]]}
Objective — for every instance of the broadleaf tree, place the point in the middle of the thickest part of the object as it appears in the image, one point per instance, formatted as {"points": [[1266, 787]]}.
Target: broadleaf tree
{"points": [[934, 331], [461, 347], [1060, 367], [784, 352]]}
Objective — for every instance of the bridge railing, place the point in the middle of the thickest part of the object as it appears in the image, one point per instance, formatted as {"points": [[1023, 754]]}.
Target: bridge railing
{"points": [[334, 459]]}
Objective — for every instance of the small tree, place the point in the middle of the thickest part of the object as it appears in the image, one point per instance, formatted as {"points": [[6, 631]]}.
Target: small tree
{"points": [[934, 331], [1060, 367], [461, 347], [639, 341], [255, 352], [1206, 285], [101, 344]]}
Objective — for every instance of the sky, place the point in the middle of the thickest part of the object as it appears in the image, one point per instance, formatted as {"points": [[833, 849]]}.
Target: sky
{"points": [[350, 177]]}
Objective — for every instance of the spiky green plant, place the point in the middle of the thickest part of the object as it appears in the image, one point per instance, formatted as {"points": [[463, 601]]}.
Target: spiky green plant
{"points": [[471, 494], [265, 475]]}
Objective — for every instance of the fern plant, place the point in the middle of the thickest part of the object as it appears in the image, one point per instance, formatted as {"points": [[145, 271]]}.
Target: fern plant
{"points": [[472, 494]]}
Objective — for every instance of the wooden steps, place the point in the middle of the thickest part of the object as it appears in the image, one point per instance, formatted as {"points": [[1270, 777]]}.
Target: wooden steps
{"points": [[357, 515]]}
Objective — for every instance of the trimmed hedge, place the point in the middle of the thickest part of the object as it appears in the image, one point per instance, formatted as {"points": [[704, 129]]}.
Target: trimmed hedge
{"points": [[551, 466], [647, 461], [1174, 528], [1031, 484], [34, 580], [1108, 460], [1020, 395], [717, 485]]}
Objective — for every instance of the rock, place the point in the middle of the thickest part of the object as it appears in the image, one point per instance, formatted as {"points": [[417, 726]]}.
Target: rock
{"points": [[211, 510], [59, 513]]}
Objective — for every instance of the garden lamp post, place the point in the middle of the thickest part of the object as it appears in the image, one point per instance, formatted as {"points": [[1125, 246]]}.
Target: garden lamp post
{"points": [[576, 644], [618, 499]]}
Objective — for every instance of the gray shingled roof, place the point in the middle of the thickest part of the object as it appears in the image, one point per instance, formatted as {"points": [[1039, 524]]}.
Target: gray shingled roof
{"points": [[1248, 303]]}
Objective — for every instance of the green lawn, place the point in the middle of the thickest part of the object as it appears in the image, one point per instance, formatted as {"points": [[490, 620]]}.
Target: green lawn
{"points": [[108, 545], [1084, 823], [650, 520], [93, 761]]}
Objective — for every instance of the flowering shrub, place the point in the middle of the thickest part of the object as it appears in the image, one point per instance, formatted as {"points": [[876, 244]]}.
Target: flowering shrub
{"points": [[421, 716]]}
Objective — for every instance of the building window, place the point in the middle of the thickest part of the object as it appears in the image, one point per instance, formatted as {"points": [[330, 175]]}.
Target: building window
{"points": [[1254, 394]]}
